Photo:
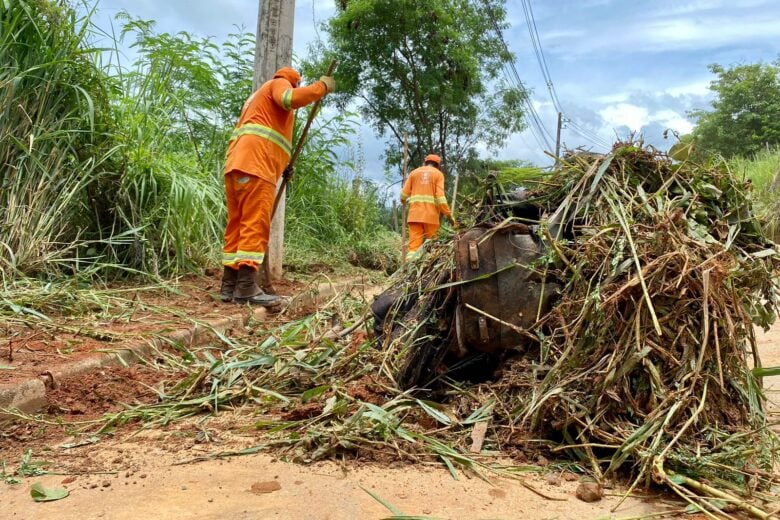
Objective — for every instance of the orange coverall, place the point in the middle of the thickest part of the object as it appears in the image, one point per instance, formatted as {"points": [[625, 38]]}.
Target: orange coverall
{"points": [[259, 150], [424, 192]]}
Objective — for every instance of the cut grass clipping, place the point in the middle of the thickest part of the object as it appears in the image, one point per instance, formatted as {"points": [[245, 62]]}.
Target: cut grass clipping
{"points": [[641, 371], [39, 493]]}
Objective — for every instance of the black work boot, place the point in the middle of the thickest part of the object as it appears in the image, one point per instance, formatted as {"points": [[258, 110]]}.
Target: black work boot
{"points": [[247, 290], [229, 277]]}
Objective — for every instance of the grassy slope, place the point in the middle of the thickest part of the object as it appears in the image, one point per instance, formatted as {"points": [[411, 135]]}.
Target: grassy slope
{"points": [[763, 170]]}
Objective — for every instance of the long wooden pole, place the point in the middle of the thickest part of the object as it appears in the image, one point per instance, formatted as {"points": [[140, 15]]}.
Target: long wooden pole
{"points": [[404, 206], [296, 153], [455, 194]]}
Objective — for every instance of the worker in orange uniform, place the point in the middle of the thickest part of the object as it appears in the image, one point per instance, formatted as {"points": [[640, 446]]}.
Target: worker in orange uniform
{"points": [[424, 192], [257, 156]]}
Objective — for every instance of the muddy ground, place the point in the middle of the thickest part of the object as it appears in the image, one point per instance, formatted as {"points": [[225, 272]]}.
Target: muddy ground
{"points": [[153, 473]]}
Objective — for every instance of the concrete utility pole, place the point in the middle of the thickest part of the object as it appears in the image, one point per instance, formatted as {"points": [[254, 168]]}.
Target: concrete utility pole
{"points": [[404, 206], [274, 51]]}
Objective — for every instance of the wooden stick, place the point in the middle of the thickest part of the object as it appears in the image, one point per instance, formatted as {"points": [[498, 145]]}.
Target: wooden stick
{"points": [[454, 194], [717, 493]]}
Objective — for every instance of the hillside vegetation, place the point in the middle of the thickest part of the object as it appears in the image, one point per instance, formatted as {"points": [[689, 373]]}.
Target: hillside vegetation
{"points": [[111, 170]]}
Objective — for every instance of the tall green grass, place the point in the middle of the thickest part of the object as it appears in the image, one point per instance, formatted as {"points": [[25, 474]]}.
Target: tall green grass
{"points": [[763, 170], [54, 121], [333, 212], [173, 124]]}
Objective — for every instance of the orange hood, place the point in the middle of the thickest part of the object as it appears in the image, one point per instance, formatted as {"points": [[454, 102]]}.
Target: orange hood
{"points": [[289, 74]]}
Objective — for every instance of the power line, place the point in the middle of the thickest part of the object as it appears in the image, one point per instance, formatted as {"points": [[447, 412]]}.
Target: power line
{"points": [[536, 125], [541, 133], [538, 129], [533, 33], [587, 134], [550, 85]]}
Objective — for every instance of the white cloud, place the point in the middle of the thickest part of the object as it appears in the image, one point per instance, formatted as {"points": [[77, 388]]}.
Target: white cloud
{"points": [[696, 88], [618, 66], [625, 114], [617, 97], [521, 146], [693, 26], [671, 119], [699, 7], [636, 118], [708, 32], [563, 35]]}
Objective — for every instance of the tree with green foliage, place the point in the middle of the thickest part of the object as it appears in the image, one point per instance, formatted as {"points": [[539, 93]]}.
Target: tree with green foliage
{"points": [[746, 110], [428, 68]]}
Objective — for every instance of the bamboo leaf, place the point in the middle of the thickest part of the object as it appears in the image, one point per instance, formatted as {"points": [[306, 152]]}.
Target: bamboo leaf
{"points": [[39, 493], [765, 253], [390, 507], [766, 371], [311, 393], [480, 414], [450, 466], [431, 409]]}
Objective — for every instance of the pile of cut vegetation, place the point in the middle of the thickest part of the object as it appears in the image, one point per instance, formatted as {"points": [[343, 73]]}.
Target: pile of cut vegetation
{"points": [[645, 362], [643, 369]]}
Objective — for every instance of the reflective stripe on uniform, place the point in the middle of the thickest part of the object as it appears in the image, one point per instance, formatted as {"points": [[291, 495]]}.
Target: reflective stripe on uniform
{"points": [[249, 256], [441, 201], [228, 258], [426, 199], [265, 132], [404, 196], [287, 99]]}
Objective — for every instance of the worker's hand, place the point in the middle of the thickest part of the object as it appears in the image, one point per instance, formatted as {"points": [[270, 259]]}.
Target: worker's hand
{"points": [[288, 172], [330, 83], [454, 223]]}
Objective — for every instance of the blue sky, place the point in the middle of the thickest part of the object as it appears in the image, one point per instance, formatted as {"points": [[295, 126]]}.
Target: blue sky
{"points": [[617, 65]]}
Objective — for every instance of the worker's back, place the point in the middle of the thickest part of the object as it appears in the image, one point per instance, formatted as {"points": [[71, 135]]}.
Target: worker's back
{"points": [[261, 109], [260, 144], [424, 192]]}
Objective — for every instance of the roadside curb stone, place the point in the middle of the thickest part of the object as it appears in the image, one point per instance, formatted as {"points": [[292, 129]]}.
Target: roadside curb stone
{"points": [[29, 395]]}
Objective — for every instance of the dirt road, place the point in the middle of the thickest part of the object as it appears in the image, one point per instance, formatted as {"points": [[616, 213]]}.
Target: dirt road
{"points": [[233, 489], [142, 482]]}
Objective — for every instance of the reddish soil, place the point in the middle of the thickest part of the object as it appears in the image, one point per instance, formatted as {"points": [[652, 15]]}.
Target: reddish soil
{"points": [[139, 474], [365, 389], [136, 474], [31, 349], [109, 390]]}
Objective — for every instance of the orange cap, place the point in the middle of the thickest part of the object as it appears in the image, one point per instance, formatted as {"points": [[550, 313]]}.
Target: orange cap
{"points": [[289, 74], [433, 158]]}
